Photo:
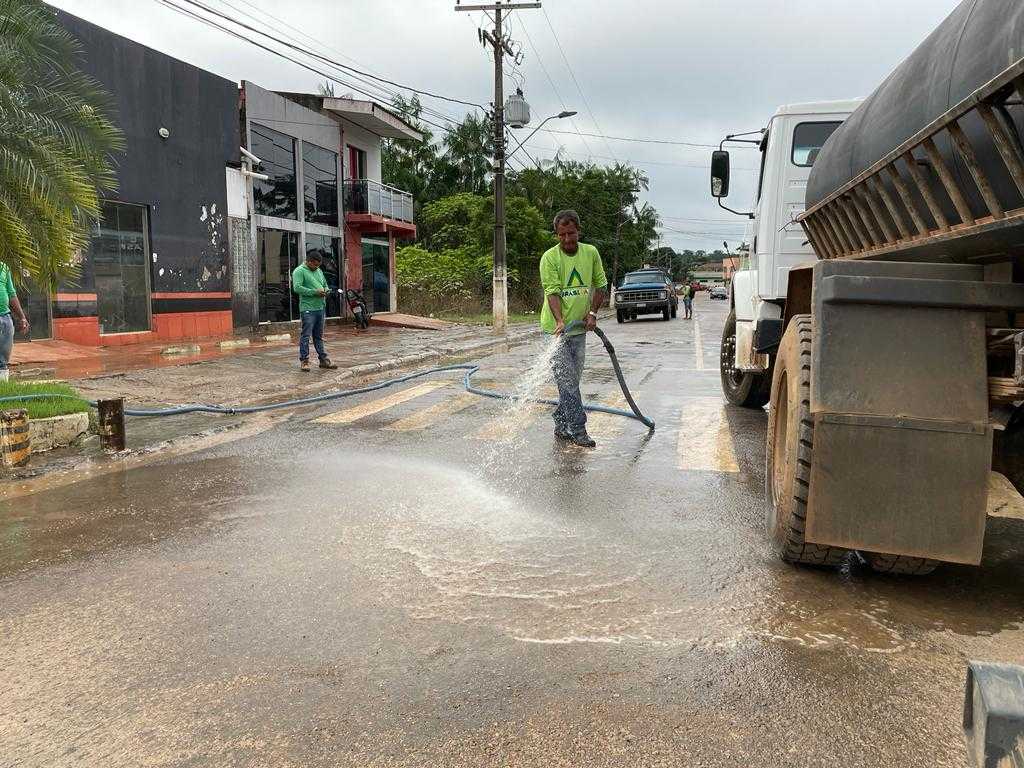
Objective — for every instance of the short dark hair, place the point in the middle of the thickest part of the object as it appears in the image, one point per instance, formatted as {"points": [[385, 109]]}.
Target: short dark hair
{"points": [[568, 215], [314, 256]]}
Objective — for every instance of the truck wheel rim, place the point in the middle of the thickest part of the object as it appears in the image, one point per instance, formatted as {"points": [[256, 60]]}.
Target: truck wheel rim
{"points": [[728, 355]]}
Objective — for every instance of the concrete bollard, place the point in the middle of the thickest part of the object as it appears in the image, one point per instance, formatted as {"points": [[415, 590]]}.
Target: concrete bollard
{"points": [[111, 418], [15, 444]]}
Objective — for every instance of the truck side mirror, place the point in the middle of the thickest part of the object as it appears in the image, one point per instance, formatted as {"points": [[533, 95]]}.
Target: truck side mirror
{"points": [[719, 173]]}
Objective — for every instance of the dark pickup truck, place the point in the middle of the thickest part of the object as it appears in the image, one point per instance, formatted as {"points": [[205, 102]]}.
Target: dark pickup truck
{"points": [[645, 292]]}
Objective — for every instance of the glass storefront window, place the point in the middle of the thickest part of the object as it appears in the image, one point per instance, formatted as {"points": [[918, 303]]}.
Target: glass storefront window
{"points": [[278, 254], [320, 184], [329, 249], [278, 196], [121, 269]]}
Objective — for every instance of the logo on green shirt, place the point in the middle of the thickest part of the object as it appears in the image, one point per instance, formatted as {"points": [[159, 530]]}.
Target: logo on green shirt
{"points": [[574, 275]]}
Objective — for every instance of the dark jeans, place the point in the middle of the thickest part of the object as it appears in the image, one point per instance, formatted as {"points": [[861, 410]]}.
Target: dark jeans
{"points": [[312, 325], [567, 366]]}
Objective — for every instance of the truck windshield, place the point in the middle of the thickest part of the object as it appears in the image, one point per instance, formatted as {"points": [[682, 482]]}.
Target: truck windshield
{"points": [[644, 277], [808, 138]]}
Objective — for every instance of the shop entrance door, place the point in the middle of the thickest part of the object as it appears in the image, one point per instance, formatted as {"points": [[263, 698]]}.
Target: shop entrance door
{"points": [[376, 276], [121, 269], [278, 254]]}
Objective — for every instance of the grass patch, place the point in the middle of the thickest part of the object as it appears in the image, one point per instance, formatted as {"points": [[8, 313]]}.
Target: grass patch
{"points": [[68, 402]]}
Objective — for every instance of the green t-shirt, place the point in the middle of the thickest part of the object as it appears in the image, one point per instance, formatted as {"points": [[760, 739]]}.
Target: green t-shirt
{"points": [[306, 283], [6, 289], [570, 276]]}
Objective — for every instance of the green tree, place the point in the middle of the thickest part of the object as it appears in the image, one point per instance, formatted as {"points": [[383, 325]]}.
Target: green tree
{"points": [[466, 163], [56, 145]]}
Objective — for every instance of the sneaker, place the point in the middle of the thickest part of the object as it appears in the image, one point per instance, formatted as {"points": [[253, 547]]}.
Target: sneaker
{"points": [[326, 363], [561, 434], [583, 440], [304, 366]]}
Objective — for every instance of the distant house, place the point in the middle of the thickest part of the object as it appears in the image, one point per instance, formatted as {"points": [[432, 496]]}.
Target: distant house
{"points": [[311, 148]]}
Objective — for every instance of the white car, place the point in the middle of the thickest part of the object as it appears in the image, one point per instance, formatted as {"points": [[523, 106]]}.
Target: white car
{"points": [[718, 292]]}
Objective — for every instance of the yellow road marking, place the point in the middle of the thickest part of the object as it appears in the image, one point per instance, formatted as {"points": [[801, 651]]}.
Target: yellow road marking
{"points": [[705, 442], [363, 410], [428, 417], [698, 344]]}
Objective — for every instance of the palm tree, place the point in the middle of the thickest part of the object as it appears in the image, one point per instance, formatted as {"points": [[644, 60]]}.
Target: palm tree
{"points": [[56, 145]]}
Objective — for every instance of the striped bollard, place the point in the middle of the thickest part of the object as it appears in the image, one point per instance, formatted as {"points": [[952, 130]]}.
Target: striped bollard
{"points": [[15, 444]]}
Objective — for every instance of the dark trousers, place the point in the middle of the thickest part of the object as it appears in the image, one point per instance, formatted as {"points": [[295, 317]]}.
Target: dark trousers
{"points": [[567, 367], [312, 325]]}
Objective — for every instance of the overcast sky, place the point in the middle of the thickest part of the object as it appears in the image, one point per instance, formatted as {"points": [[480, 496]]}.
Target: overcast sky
{"points": [[678, 70]]}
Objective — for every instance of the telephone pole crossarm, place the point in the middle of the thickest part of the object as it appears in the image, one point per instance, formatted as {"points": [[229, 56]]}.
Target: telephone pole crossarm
{"points": [[497, 7]]}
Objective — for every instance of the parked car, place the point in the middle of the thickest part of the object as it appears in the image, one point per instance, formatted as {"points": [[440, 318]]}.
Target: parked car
{"points": [[645, 292], [718, 292]]}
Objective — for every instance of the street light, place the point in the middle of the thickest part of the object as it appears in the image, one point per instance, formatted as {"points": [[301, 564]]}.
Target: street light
{"points": [[559, 116]]}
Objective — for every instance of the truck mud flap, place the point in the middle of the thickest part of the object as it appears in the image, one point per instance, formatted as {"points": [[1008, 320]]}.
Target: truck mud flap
{"points": [[899, 401]]}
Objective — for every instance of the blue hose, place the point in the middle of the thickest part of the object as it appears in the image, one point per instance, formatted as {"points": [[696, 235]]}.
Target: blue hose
{"points": [[469, 368]]}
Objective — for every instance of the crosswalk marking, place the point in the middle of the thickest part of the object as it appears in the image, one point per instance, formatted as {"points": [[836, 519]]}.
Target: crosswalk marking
{"points": [[381, 404], [705, 442], [509, 423], [604, 426], [428, 417]]}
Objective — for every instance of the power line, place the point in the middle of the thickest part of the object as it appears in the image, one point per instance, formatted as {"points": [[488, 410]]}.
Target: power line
{"points": [[389, 95], [572, 74], [304, 65], [551, 82], [636, 140], [327, 60]]}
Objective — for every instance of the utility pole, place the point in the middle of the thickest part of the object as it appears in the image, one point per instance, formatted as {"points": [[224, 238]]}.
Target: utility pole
{"points": [[497, 40]]}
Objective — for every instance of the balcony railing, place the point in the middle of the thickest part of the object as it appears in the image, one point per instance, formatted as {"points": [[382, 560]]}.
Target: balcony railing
{"points": [[366, 196]]}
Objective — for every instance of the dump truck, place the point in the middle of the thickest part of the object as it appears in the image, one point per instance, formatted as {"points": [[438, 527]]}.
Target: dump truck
{"points": [[881, 314]]}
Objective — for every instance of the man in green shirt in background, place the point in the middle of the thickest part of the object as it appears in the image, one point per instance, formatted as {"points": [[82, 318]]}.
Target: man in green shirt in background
{"points": [[8, 301], [574, 283], [310, 284]]}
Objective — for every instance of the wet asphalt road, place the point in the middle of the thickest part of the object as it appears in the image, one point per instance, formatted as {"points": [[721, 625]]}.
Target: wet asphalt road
{"points": [[424, 580]]}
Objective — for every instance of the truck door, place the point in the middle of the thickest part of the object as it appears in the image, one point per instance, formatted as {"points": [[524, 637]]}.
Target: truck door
{"points": [[806, 135]]}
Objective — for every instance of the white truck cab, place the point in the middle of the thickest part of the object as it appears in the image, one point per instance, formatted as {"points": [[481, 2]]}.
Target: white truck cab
{"points": [[788, 147]]}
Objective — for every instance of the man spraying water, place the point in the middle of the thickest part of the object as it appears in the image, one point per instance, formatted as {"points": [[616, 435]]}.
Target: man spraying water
{"points": [[574, 285]]}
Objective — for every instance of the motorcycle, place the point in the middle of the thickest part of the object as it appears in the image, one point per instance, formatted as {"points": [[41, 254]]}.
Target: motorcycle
{"points": [[357, 305]]}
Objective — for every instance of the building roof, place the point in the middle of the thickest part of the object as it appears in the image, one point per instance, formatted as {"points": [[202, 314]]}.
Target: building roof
{"points": [[371, 116], [368, 115]]}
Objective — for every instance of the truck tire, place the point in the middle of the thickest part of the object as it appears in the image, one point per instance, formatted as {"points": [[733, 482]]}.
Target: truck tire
{"points": [[748, 390], [619, 316], [901, 564], [675, 309], [789, 450], [666, 313]]}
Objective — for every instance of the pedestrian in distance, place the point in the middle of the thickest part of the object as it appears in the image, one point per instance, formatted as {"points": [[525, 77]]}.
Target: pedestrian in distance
{"points": [[9, 303], [574, 283], [310, 284], [688, 301]]}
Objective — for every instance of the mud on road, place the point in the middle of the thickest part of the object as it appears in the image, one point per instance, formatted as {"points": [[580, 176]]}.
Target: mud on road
{"points": [[420, 581]]}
